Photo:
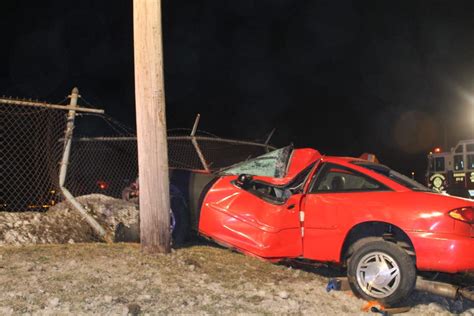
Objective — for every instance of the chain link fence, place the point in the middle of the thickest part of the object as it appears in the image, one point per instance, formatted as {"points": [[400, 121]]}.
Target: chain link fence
{"points": [[103, 155], [108, 164], [29, 154]]}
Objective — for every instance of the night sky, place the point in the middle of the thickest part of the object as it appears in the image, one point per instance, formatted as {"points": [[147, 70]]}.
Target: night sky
{"points": [[389, 77]]}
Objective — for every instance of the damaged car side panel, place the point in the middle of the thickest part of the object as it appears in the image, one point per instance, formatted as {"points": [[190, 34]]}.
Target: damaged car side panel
{"points": [[259, 212], [251, 224]]}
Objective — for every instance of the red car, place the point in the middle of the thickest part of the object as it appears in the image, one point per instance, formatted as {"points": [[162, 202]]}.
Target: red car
{"points": [[298, 204]]}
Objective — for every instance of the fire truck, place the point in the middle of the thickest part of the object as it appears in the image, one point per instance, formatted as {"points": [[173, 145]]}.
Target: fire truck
{"points": [[452, 171]]}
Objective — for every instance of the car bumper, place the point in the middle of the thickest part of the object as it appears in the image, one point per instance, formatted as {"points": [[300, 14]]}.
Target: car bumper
{"points": [[443, 252]]}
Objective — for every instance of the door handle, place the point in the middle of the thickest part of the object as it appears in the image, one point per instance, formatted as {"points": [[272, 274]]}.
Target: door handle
{"points": [[291, 206]]}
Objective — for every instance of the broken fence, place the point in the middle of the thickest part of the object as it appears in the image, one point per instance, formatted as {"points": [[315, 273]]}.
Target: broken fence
{"points": [[103, 153]]}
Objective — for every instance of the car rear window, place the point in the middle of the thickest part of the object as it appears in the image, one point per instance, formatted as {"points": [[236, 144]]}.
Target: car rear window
{"points": [[393, 175]]}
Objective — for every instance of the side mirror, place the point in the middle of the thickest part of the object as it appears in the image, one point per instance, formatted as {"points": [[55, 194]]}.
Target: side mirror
{"points": [[244, 180]]}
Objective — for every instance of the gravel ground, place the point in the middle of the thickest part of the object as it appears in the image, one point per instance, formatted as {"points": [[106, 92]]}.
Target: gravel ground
{"points": [[117, 279]]}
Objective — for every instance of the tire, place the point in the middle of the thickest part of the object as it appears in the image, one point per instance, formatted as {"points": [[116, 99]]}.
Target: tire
{"points": [[179, 221], [380, 270]]}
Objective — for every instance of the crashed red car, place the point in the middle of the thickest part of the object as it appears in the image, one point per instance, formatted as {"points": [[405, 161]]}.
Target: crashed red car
{"points": [[296, 203]]}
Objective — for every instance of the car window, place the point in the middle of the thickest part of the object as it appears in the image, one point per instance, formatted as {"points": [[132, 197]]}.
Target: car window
{"points": [[393, 175], [335, 178]]}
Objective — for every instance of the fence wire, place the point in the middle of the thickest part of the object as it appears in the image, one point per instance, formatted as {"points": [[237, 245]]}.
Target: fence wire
{"points": [[108, 164], [30, 152], [103, 155]]}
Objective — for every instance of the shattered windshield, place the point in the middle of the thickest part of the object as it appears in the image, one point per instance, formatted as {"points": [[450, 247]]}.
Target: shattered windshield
{"points": [[272, 164]]}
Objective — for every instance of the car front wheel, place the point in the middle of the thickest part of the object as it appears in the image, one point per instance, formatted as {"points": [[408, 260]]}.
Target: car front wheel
{"points": [[380, 270]]}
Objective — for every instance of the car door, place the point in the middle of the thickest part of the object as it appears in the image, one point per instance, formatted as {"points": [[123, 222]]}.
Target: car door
{"points": [[335, 194], [247, 219]]}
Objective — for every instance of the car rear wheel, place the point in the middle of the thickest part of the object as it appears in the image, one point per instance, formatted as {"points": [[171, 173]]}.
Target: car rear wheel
{"points": [[380, 270]]}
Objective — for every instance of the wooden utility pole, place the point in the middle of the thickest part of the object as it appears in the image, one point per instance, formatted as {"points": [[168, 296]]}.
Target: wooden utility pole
{"points": [[151, 127]]}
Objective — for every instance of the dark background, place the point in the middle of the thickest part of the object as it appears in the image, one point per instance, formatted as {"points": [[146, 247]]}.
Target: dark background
{"points": [[389, 77]]}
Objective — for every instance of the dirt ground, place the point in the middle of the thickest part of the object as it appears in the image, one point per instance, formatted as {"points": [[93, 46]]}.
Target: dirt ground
{"points": [[117, 279]]}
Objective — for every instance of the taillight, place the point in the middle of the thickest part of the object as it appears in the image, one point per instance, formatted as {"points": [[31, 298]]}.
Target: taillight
{"points": [[465, 214]]}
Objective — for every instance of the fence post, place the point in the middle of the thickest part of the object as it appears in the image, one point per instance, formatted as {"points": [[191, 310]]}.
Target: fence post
{"points": [[64, 164], [196, 145], [268, 139]]}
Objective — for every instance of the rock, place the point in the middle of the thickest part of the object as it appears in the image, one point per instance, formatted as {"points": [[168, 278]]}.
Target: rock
{"points": [[134, 309], [53, 302], [121, 300], [70, 241], [144, 297], [124, 233], [6, 311], [192, 267], [141, 285], [10, 237], [125, 311], [108, 299], [283, 294]]}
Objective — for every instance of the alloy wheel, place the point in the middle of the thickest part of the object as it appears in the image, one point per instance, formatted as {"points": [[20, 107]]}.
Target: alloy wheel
{"points": [[378, 274]]}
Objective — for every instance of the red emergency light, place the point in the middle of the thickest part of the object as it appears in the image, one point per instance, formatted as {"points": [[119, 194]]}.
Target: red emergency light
{"points": [[437, 149], [369, 157], [102, 185]]}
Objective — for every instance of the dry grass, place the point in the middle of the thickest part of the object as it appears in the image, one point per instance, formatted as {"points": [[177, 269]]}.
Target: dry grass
{"points": [[199, 279]]}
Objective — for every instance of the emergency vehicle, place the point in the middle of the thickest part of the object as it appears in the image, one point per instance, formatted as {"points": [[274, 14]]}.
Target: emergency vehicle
{"points": [[452, 171]]}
